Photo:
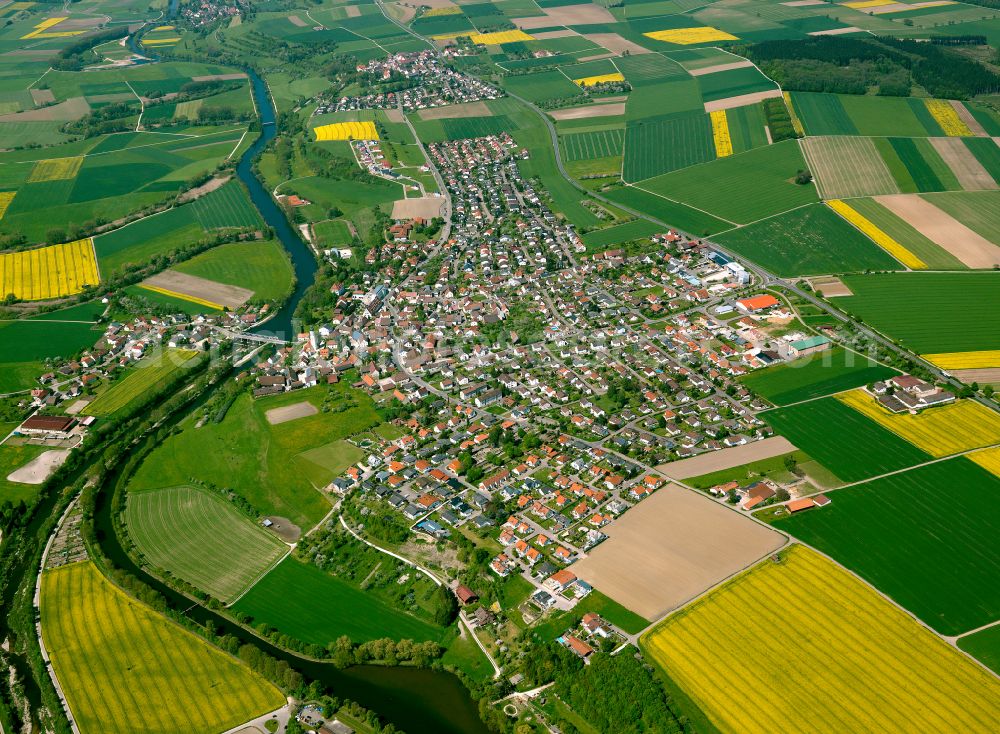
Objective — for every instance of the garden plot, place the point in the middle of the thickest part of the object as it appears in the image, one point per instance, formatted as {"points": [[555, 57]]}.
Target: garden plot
{"points": [[972, 249], [671, 548], [199, 290]]}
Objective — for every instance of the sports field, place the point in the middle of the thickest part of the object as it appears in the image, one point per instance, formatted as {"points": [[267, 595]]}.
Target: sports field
{"points": [[347, 131], [798, 243], [816, 375], [199, 537], [941, 431], [843, 440], [947, 315], [943, 514], [311, 605], [49, 272], [126, 670], [145, 377], [851, 655]]}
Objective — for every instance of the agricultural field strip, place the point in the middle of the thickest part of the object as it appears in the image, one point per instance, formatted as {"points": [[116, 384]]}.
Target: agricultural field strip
{"points": [[692, 206]]}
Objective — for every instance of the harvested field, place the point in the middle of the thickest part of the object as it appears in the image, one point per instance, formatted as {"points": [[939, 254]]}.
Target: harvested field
{"points": [[43, 96], [715, 461], [848, 166], [567, 15], [219, 77], [831, 286], [860, 662], [587, 111], [983, 376], [290, 412], [71, 109], [720, 67], [394, 115], [971, 174], [969, 247], [741, 100], [199, 290], [456, 111], [836, 31], [426, 207], [617, 44], [671, 548], [965, 115], [40, 468]]}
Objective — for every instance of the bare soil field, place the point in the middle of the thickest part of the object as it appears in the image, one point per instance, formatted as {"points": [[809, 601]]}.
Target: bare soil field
{"points": [[71, 109], [831, 287], [590, 110], [427, 207], [596, 57], [567, 15], [984, 376], [76, 407], [394, 115], [231, 296], [672, 547], [741, 100], [297, 21], [290, 412], [284, 528], [804, 3], [836, 31], [942, 229], [616, 43], [40, 468], [971, 174], [455, 111], [721, 67], [727, 458], [219, 77], [561, 33], [353, 11], [43, 96], [965, 116]]}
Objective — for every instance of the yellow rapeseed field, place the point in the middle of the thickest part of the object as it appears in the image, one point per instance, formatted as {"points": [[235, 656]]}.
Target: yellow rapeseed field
{"points": [[488, 39], [435, 12], [182, 296], [821, 652], [55, 169], [49, 272], [160, 41], [720, 133], [940, 431], [923, 6], [42, 30], [946, 116], [965, 360], [686, 36], [6, 197], [347, 131], [988, 459], [857, 4], [127, 670], [600, 78], [879, 237], [796, 122]]}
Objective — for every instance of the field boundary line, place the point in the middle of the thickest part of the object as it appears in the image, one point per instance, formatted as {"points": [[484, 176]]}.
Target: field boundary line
{"points": [[690, 206], [238, 144], [265, 572], [986, 626]]}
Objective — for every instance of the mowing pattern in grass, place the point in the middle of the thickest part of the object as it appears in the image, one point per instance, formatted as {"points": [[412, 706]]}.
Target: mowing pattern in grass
{"points": [[940, 431], [653, 147], [741, 188], [819, 374], [227, 206], [149, 374], [199, 537], [590, 145], [948, 315], [844, 441], [310, 605], [853, 655], [847, 166], [945, 514], [126, 670], [798, 243]]}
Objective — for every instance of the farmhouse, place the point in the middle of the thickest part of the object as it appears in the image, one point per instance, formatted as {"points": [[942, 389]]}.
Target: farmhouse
{"points": [[48, 425], [810, 345], [908, 393]]}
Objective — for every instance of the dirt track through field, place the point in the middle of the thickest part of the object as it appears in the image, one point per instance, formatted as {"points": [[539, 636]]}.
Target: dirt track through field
{"points": [[617, 43], [455, 111], [971, 174], [672, 547], [230, 296], [741, 101], [714, 461], [290, 412], [720, 67], [944, 230], [591, 110]]}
